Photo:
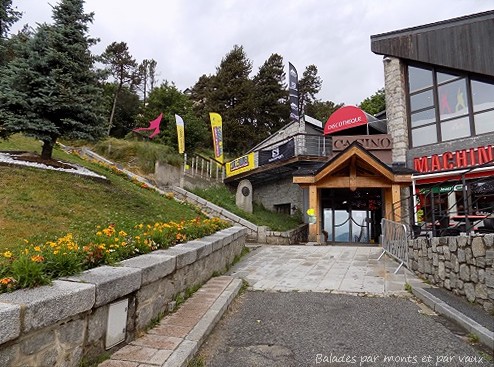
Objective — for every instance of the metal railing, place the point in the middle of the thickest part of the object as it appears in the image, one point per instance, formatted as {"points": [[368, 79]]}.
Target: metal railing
{"points": [[395, 241], [208, 169]]}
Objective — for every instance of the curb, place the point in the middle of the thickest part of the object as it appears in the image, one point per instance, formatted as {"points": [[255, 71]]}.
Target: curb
{"points": [[188, 348], [486, 336]]}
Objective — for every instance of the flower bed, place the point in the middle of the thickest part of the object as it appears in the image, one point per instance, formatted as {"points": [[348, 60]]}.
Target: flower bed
{"points": [[38, 264]]}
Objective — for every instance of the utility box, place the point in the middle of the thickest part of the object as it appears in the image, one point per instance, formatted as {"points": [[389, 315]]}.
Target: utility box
{"points": [[117, 323]]}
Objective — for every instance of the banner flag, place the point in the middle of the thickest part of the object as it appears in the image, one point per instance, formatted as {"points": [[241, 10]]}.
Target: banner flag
{"points": [[280, 153], [180, 133], [217, 129], [293, 92], [153, 125]]}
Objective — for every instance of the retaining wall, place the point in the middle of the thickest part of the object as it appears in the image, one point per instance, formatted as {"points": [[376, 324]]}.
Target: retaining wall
{"points": [[258, 234], [60, 324], [463, 265]]}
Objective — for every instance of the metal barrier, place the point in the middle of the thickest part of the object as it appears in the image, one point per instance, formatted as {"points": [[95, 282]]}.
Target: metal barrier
{"points": [[395, 241]]}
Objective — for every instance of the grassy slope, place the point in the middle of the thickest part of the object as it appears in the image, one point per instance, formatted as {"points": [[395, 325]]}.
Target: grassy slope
{"points": [[221, 196], [37, 204]]}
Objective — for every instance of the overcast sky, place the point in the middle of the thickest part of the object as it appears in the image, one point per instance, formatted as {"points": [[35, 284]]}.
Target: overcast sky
{"points": [[188, 38]]}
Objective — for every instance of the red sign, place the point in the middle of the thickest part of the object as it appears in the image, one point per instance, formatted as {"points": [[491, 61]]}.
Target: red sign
{"points": [[454, 160], [345, 118]]}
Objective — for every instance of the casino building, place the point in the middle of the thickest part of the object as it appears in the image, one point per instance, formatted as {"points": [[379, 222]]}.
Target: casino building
{"points": [[431, 157]]}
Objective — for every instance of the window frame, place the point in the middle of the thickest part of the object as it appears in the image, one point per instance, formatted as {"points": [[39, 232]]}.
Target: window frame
{"points": [[470, 114]]}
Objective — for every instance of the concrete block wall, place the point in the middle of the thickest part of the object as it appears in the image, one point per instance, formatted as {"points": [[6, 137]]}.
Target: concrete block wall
{"points": [[463, 265], [60, 324]]}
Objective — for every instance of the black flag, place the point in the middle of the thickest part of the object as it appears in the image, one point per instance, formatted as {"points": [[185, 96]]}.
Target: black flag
{"points": [[293, 92]]}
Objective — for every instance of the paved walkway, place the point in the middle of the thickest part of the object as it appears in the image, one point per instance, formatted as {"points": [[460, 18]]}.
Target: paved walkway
{"points": [[178, 336], [317, 269], [338, 269]]}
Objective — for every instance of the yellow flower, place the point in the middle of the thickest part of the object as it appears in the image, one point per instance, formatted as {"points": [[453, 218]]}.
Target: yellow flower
{"points": [[122, 233], [37, 248], [7, 254]]}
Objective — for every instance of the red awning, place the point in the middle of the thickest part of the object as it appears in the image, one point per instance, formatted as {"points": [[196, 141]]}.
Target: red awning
{"points": [[345, 118]]}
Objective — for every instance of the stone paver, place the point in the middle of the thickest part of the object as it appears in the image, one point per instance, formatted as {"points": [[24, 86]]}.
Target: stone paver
{"points": [[169, 343], [341, 269]]}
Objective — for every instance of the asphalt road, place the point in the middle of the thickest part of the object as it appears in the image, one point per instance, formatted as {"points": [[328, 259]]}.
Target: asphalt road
{"points": [[320, 329]]}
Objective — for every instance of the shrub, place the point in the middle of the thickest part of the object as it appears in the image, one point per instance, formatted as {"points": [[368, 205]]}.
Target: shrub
{"points": [[37, 265]]}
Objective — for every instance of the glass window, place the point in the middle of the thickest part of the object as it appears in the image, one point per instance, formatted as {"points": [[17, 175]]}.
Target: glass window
{"points": [[423, 117], [483, 95], [421, 100], [419, 78], [454, 129], [453, 99], [444, 77], [424, 135], [484, 122]]}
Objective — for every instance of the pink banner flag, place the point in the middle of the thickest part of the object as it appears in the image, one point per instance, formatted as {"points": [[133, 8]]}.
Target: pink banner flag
{"points": [[153, 125]]}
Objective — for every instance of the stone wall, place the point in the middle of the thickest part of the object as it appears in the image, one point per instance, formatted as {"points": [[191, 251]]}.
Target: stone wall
{"points": [[280, 192], [463, 265], [296, 236], [394, 82], [60, 324]]}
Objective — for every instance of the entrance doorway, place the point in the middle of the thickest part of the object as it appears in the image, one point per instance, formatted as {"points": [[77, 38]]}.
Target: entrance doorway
{"points": [[352, 216]]}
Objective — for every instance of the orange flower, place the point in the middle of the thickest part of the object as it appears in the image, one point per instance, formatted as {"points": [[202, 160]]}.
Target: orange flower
{"points": [[37, 258]]}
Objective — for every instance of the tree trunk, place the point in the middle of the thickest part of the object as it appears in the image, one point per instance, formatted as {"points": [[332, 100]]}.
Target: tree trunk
{"points": [[47, 150], [112, 113]]}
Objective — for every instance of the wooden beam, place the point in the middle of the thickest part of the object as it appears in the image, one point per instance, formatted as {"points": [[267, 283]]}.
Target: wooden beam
{"points": [[315, 229], [396, 197]]}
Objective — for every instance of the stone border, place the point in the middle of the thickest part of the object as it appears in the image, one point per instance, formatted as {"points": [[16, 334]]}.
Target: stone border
{"points": [[61, 323]]}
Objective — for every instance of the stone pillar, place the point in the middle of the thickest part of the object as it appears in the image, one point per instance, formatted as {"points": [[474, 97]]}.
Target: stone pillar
{"points": [[244, 196], [394, 82]]}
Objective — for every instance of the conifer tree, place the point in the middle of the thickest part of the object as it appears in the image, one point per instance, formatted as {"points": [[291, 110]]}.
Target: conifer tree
{"points": [[271, 96], [8, 16], [50, 90]]}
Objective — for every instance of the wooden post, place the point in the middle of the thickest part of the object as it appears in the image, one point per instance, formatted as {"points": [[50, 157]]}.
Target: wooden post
{"points": [[315, 229]]}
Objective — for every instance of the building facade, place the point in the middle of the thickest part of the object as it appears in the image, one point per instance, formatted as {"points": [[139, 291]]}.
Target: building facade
{"points": [[439, 83]]}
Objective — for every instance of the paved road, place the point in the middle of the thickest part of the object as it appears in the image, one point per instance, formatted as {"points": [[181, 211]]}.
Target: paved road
{"points": [[330, 306], [321, 329]]}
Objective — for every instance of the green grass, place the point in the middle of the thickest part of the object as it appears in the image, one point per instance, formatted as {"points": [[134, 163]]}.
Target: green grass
{"points": [[139, 156], [220, 195], [38, 205]]}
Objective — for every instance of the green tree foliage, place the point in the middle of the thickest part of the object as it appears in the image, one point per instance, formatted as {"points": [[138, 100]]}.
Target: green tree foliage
{"points": [[375, 103], [147, 76], [232, 98], [167, 99], [271, 96], [50, 89], [124, 70], [308, 86], [8, 16], [321, 110], [127, 109]]}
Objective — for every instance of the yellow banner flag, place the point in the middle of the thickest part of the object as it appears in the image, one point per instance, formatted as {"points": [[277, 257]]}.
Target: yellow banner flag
{"points": [[217, 129], [180, 134]]}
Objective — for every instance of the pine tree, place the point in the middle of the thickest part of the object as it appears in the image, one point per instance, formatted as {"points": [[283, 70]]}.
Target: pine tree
{"points": [[50, 90], [271, 97], [123, 68], [232, 98], [308, 86]]}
